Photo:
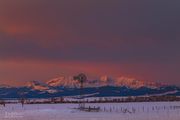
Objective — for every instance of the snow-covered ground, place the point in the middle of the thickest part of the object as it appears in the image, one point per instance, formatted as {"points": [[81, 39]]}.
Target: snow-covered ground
{"points": [[109, 111]]}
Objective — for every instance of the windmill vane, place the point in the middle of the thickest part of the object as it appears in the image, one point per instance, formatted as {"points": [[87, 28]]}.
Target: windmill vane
{"points": [[81, 78]]}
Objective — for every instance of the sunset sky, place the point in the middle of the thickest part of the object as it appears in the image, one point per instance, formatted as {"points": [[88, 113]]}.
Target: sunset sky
{"points": [[42, 39]]}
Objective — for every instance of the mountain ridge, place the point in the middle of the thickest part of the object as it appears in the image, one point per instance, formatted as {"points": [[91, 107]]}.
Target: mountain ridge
{"points": [[102, 81], [102, 87]]}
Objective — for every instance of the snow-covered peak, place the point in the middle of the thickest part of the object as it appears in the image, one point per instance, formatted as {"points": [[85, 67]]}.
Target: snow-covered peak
{"points": [[102, 81], [62, 81], [37, 85], [134, 83], [56, 81], [129, 82], [104, 78], [105, 81]]}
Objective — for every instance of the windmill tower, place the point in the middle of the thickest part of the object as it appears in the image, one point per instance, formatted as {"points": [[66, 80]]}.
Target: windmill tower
{"points": [[21, 97], [81, 78]]}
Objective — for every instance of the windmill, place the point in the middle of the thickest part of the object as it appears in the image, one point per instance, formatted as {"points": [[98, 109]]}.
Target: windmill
{"points": [[21, 97], [81, 78]]}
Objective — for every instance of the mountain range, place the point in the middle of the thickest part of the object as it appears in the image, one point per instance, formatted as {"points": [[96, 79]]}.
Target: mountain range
{"points": [[102, 87]]}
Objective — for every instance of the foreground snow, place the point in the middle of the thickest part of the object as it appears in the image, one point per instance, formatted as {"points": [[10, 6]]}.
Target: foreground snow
{"points": [[109, 111]]}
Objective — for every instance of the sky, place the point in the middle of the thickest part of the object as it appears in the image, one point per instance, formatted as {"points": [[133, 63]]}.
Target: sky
{"points": [[43, 39]]}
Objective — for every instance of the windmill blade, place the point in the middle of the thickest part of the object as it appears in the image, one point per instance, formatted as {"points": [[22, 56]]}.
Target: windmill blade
{"points": [[81, 78]]}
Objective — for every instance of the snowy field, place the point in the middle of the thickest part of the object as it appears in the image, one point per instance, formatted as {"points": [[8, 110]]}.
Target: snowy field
{"points": [[109, 111]]}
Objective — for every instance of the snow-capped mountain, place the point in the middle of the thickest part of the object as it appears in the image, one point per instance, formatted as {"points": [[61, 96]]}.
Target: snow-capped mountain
{"points": [[104, 86], [134, 83], [62, 81], [102, 81], [37, 85]]}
